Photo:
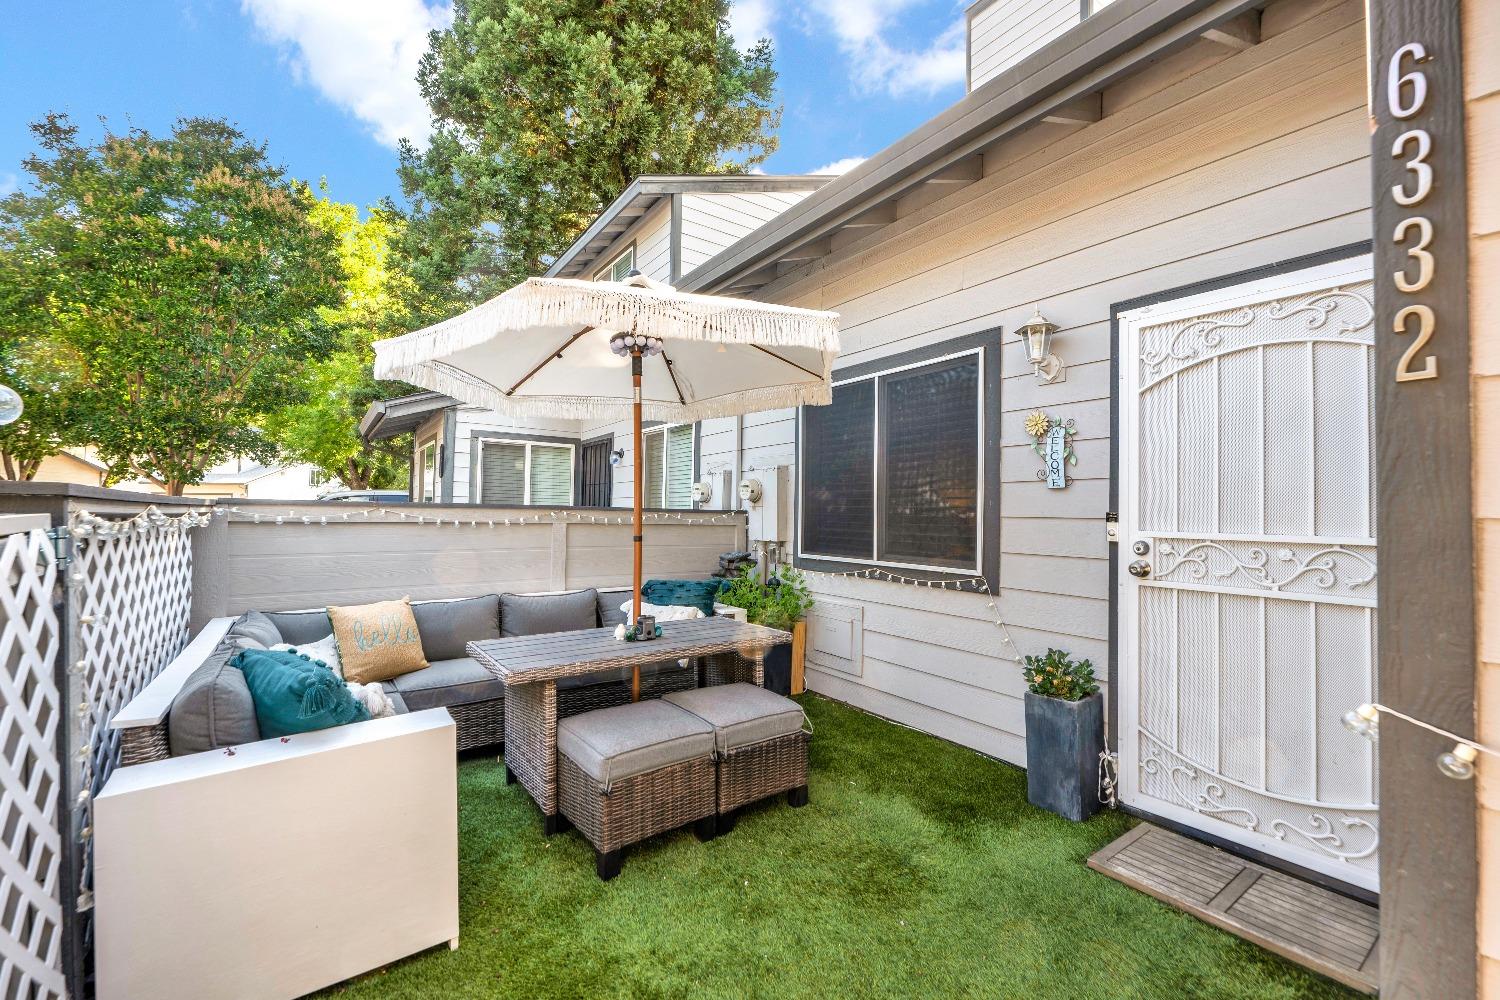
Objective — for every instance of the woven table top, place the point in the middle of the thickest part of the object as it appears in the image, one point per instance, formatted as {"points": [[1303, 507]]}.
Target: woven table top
{"points": [[529, 659]]}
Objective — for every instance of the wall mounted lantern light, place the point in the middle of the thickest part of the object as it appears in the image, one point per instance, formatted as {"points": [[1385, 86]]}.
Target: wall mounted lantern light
{"points": [[1036, 335]]}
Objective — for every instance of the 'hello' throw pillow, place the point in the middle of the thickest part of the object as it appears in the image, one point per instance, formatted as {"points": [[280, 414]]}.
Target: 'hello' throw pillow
{"points": [[377, 641]]}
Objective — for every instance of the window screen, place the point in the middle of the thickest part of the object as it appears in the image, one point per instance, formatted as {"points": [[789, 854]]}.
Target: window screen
{"points": [[679, 483], [838, 466], [551, 474], [503, 473], [929, 469], [654, 445]]}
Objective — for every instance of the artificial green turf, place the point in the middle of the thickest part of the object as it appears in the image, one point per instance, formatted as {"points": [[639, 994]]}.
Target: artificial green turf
{"points": [[918, 870]]}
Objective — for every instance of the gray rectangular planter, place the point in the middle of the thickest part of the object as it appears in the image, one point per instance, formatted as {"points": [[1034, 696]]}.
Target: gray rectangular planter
{"points": [[1063, 743]]}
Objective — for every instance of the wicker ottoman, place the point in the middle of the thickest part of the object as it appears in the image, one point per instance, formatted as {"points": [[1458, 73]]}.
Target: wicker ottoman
{"points": [[760, 743], [633, 771]]}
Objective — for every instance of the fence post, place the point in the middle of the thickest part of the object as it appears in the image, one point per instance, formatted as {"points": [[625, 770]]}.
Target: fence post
{"points": [[71, 738]]}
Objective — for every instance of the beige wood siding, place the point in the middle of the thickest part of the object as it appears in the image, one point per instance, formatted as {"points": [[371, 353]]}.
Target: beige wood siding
{"points": [[1481, 29], [1254, 158]]}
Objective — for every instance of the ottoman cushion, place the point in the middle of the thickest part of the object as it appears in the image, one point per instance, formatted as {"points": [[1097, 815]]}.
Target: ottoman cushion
{"points": [[741, 714], [615, 743]]}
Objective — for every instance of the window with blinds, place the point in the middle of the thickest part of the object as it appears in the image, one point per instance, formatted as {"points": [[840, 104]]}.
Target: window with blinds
{"points": [[525, 472], [891, 469], [618, 269], [668, 466]]}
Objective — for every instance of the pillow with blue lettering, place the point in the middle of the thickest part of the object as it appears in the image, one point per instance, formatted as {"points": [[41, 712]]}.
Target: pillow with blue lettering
{"points": [[293, 693], [377, 641]]}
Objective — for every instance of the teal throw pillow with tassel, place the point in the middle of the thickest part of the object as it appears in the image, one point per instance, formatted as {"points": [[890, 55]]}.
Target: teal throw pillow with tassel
{"points": [[293, 693]]}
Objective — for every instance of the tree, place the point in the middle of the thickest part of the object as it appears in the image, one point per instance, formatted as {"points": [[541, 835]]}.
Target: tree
{"points": [[324, 430], [183, 278], [545, 109], [36, 367]]}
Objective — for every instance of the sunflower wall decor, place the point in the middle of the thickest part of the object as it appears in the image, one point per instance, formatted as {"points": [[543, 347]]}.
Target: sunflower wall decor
{"points": [[1052, 439]]}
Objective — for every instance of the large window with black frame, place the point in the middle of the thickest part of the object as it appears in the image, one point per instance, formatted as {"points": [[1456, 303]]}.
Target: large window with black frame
{"points": [[892, 471]]}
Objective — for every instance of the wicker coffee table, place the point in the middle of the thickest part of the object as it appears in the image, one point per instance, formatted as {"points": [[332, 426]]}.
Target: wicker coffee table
{"points": [[531, 665]]}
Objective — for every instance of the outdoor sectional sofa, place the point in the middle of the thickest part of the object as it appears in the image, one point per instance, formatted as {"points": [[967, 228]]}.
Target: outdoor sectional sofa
{"points": [[210, 708]]}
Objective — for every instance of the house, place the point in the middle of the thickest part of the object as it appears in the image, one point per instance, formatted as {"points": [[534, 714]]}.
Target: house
{"points": [[663, 227], [72, 465], [1113, 327], [242, 478]]}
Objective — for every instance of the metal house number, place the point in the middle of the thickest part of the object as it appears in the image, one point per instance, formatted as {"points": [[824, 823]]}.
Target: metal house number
{"points": [[1406, 95]]}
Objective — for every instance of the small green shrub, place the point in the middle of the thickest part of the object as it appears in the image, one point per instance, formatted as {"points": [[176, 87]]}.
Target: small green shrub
{"points": [[780, 604], [1058, 675]]}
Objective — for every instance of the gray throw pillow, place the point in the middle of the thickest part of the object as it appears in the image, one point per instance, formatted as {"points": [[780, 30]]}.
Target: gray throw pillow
{"points": [[533, 614], [445, 626], [257, 628], [213, 708]]}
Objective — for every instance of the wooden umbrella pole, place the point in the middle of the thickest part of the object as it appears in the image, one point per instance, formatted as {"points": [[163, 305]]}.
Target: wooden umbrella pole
{"points": [[640, 493]]}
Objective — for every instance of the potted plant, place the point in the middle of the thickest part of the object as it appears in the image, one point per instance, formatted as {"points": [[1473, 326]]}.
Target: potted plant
{"points": [[1064, 734], [781, 603]]}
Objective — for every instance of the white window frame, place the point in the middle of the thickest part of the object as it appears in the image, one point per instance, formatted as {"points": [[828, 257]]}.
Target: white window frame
{"points": [[692, 457], [976, 569], [607, 272], [423, 483], [526, 474]]}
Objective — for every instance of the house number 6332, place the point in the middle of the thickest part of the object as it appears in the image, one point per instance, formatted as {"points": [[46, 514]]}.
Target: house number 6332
{"points": [[1406, 95]]}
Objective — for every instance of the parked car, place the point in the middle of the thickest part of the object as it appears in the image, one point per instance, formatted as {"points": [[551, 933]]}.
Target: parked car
{"points": [[366, 496]]}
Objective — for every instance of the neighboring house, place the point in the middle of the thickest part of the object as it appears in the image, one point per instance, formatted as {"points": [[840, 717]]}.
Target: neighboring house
{"points": [[664, 227], [247, 479], [1184, 188], [71, 465]]}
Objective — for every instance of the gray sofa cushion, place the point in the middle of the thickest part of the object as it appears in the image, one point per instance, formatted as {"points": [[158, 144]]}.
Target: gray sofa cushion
{"points": [[446, 625], [741, 714], [297, 627], [610, 614], [458, 681], [611, 744], [533, 614], [213, 708]]}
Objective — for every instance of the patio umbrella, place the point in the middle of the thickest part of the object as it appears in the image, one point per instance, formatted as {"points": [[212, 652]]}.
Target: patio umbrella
{"points": [[579, 350]]}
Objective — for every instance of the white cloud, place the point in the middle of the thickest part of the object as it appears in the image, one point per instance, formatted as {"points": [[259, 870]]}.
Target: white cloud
{"points": [[862, 29], [750, 21], [843, 166], [360, 54]]}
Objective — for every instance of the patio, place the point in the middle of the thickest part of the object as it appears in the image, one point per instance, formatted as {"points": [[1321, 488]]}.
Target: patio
{"points": [[918, 870]]}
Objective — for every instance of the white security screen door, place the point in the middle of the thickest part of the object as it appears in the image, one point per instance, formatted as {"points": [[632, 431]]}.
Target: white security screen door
{"points": [[1247, 565]]}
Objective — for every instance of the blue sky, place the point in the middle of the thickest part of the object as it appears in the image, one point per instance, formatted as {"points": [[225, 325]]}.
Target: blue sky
{"points": [[328, 84]]}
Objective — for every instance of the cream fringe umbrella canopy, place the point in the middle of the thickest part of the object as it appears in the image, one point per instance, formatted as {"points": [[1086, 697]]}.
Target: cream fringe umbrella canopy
{"points": [[579, 350]]}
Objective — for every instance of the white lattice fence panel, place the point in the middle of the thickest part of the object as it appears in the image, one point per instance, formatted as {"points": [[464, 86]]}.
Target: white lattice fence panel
{"points": [[30, 904], [130, 589]]}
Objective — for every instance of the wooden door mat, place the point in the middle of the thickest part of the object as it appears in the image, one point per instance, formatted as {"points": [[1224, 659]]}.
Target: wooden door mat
{"points": [[1331, 934]]}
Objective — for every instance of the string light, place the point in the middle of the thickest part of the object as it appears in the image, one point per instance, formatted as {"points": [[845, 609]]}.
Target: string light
{"points": [[1457, 763], [968, 585]]}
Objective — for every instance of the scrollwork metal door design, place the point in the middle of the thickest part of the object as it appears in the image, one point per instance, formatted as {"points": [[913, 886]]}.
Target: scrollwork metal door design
{"points": [[1247, 580]]}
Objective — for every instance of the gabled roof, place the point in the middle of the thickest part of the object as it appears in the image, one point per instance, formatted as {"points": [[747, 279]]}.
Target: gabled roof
{"points": [[388, 417], [648, 190], [1060, 82]]}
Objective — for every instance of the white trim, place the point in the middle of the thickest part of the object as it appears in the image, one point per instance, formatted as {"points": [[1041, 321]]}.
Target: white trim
{"points": [[979, 497]]}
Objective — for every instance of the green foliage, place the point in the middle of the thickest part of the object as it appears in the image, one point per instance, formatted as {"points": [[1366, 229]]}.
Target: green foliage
{"points": [[780, 604], [323, 429], [1058, 675], [546, 109], [180, 278]]}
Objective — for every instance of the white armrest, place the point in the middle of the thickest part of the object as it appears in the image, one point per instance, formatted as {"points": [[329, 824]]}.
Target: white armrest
{"points": [[150, 707]]}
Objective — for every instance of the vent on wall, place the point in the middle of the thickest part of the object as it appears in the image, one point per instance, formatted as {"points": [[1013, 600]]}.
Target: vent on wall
{"points": [[1003, 32], [836, 637]]}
